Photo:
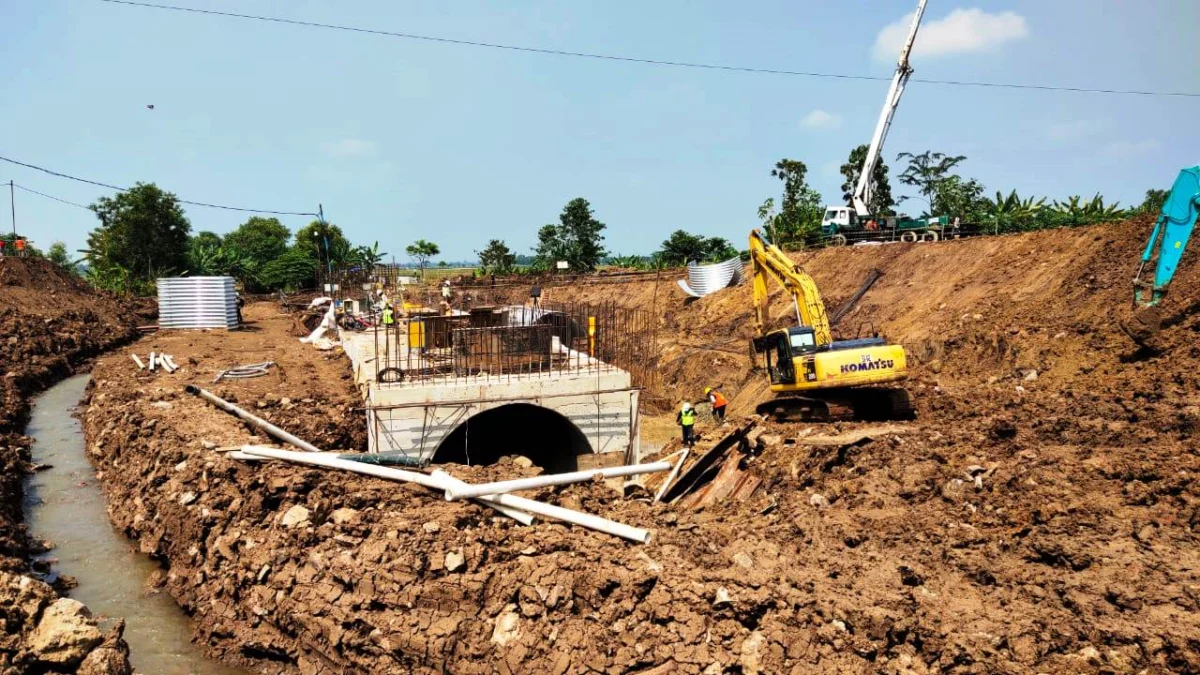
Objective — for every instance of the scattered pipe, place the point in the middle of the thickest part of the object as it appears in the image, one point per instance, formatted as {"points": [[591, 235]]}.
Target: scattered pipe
{"points": [[387, 458], [259, 422], [587, 520], [152, 362], [164, 360], [324, 459], [683, 455], [243, 372], [518, 484], [140, 365]]}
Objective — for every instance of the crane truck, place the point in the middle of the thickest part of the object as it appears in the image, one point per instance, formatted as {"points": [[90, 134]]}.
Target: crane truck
{"points": [[1168, 241], [843, 223], [812, 375]]}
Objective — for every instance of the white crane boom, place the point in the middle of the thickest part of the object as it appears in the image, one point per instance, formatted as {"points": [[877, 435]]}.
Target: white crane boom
{"points": [[862, 192]]}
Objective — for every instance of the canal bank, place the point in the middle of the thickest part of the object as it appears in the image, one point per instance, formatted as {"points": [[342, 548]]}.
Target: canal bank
{"points": [[52, 324], [65, 505]]}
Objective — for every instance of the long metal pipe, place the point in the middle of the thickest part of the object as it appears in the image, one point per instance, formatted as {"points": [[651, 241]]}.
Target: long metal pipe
{"points": [[545, 510], [504, 486], [327, 459], [259, 422]]}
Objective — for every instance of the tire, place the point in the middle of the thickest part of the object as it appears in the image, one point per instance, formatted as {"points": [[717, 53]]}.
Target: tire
{"points": [[389, 375], [930, 236], [909, 237], [837, 240]]}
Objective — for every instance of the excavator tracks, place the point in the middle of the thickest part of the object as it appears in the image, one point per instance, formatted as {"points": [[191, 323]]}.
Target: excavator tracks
{"points": [[872, 404]]}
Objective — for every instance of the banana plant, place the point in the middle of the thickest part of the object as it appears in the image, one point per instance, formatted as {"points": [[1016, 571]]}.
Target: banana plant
{"points": [[368, 256], [219, 260], [1090, 209], [1012, 209], [626, 261]]}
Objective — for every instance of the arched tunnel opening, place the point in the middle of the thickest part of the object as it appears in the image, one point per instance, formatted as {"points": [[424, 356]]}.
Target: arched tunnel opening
{"points": [[547, 438]]}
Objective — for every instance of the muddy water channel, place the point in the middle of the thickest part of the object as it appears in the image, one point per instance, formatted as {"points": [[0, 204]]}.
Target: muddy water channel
{"points": [[65, 505]]}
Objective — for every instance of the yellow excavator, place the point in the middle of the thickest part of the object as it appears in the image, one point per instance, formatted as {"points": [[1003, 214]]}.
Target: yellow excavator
{"points": [[814, 377]]}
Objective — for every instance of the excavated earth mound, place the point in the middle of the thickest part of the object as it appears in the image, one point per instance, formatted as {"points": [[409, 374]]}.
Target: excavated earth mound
{"points": [[1038, 516], [51, 323]]}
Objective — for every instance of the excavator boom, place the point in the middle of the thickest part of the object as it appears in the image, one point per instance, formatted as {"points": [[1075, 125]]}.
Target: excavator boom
{"points": [[1168, 241], [768, 260], [1174, 226]]}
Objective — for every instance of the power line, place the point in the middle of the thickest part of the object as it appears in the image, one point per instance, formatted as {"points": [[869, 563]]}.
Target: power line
{"points": [[631, 59], [121, 189], [57, 199]]}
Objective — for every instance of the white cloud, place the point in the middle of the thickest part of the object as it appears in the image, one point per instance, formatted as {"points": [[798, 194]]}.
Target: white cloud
{"points": [[819, 119], [1075, 130], [1131, 149], [960, 32], [349, 147]]}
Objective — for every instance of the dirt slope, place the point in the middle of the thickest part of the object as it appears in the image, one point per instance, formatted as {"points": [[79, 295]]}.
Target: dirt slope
{"points": [[966, 310], [50, 324]]}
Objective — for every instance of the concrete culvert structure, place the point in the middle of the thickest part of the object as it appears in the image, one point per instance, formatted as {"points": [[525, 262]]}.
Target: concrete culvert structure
{"points": [[548, 439]]}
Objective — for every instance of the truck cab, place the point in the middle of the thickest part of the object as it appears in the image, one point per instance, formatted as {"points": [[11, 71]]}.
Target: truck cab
{"points": [[838, 219]]}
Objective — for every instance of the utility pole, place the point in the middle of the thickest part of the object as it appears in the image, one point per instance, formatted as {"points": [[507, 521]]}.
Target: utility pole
{"points": [[13, 203], [325, 235]]}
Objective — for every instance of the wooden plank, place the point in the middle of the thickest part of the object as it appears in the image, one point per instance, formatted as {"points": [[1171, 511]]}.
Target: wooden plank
{"points": [[726, 481], [689, 479]]}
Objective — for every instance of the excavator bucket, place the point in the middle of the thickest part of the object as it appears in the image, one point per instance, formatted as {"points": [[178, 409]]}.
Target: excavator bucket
{"points": [[1143, 325]]}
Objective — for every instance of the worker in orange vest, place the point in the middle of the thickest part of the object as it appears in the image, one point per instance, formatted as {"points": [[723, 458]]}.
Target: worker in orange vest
{"points": [[20, 244], [718, 402]]}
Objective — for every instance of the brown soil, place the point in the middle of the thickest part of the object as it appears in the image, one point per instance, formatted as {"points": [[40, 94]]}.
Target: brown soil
{"points": [[1039, 516], [51, 324]]}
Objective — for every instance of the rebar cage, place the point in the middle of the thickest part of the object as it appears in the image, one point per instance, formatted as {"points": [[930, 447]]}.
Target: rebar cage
{"points": [[516, 341]]}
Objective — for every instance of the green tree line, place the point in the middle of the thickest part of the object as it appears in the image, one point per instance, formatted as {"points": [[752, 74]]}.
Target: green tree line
{"points": [[145, 234]]}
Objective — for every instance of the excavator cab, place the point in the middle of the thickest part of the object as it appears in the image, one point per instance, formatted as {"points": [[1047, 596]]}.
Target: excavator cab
{"points": [[782, 348]]}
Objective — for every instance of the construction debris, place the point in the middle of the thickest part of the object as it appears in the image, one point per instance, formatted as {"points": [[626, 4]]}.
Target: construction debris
{"points": [[154, 361], [714, 475]]}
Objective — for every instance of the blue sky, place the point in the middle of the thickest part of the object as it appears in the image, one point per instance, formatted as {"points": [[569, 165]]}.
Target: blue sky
{"points": [[401, 140]]}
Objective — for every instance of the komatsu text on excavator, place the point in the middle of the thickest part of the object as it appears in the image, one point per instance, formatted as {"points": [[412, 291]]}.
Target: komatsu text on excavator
{"points": [[810, 373]]}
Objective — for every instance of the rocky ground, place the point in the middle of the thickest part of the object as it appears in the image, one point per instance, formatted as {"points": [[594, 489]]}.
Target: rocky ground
{"points": [[1039, 516], [51, 325]]}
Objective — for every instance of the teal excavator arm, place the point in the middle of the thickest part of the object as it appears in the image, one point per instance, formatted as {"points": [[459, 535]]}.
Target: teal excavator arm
{"points": [[1173, 227]]}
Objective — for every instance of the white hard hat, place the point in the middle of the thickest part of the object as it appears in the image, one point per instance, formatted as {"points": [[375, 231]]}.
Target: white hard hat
{"points": [[687, 405]]}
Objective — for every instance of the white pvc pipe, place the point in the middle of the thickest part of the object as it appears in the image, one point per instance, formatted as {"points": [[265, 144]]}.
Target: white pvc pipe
{"points": [[587, 520], [328, 460], [152, 362], [270, 429], [534, 482], [140, 365], [164, 360], [683, 455]]}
